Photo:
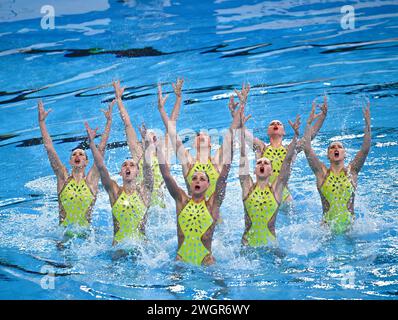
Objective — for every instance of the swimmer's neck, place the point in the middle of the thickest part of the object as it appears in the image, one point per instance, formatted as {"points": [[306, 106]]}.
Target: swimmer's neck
{"points": [[129, 187], [202, 155], [78, 173], [337, 166], [275, 140], [262, 183], [198, 198]]}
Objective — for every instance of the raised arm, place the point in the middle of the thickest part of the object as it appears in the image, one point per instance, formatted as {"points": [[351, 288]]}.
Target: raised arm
{"points": [[283, 177], [359, 160], [177, 87], [221, 184], [147, 183], [257, 144], [93, 174], [315, 164], [245, 179], [134, 144], [318, 124], [224, 153], [175, 191], [56, 164], [110, 186], [182, 153]]}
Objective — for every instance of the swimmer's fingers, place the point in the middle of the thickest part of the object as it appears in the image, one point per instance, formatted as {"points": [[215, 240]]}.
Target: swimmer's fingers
{"points": [[161, 99], [240, 96], [246, 118], [366, 115], [232, 104], [90, 132], [324, 106], [177, 87], [118, 90], [296, 125], [42, 112], [312, 114]]}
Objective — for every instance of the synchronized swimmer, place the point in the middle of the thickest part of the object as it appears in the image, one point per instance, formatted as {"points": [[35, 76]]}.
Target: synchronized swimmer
{"points": [[198, 208]]}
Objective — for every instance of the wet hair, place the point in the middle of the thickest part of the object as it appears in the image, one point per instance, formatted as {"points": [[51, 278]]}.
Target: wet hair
{"points": [[275, 120], [207, 176], [128, 158], [330, 144], [79, 148]]}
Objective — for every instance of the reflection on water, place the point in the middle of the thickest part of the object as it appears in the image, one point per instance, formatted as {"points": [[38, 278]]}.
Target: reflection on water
{"points": [[291, 52]]}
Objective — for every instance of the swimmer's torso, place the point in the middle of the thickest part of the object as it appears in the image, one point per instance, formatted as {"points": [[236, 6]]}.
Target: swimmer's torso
{"points": [[128, 212], [76, 202], [337, 194], [195, 230], [260, 206], [211, 171], [276, 155]]}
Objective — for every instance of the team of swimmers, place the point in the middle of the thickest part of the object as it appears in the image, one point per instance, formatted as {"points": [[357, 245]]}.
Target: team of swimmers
{"points": [[198, 207]]}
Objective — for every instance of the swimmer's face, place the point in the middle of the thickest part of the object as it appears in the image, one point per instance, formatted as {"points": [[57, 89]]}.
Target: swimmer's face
{"points": [[200, 183], [276, 127], [202, 140], [336, 152], [129, 171], [263, 168], [78, 158]]}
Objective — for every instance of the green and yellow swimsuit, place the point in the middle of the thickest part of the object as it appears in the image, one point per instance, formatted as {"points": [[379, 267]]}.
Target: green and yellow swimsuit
{"points": [[276, 155], [260, 205], [337, 195], [76, 203], [128, 212], [194, 221]]}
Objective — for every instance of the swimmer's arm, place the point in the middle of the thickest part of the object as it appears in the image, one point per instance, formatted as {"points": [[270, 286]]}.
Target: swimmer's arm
{"points": [[182, 153], [224, 153], [258, 144], [221, 185], [315, 164], [177, 87], [359, 160], [175, 191], [56, 164], [283, 177], [93, 174], [321, 118], [245, 179], [134, 144], [318, 124], [176, 109], [147, 184], [109, 185]]}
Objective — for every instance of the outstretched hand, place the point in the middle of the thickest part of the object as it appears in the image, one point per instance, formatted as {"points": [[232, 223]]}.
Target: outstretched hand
{"points": [[161, 99], [42, 113], [118, 90], [243, 118], [232, 105], [177, 87], [366, 114], [296, 125], [323, 107], [108, 112], [242, 95], [144, 134], [90, 132]]}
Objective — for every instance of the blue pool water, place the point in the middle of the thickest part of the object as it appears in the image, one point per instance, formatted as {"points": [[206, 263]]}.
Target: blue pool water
{"points": [[290, 52]]}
